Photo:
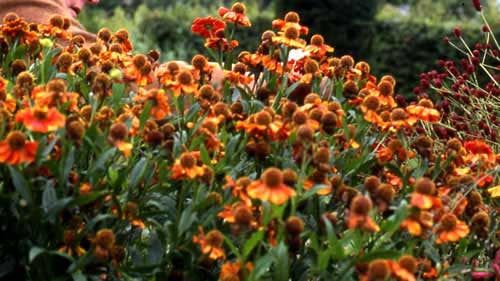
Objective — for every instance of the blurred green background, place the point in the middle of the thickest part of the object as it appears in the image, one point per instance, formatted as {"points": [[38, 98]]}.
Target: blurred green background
{"points": [[401, 37]]}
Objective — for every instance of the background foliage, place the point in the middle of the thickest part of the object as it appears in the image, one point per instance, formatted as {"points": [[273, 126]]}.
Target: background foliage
{"points": [[378, 31]]}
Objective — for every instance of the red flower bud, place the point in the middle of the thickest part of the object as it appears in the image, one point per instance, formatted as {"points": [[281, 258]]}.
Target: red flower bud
{"points": [[477, 5], [457, 31]]}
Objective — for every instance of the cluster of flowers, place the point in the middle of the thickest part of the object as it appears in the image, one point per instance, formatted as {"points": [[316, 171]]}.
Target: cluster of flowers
{"points": [[286, 162], [469, 89]]}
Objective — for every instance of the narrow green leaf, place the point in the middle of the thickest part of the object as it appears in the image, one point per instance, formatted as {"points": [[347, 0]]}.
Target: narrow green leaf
{"points": [[252, 242], [21, 184], [137, 173], [145, 114]]}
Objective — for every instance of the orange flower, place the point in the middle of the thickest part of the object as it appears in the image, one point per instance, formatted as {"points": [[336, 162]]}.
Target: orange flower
{"points": [[423, 196], [235, 15], [289, 37], [451, 229], [51, 96], [239, 213], [261, 125], [70, 247], [417, 222], [291, 19], [187, 166], [237, 78], [15, 149], [206, 27], [3, 84], [122, 37], [359, 217], [239, 188], [139, 70], [7, 102], [167, 73], [401, 273], [318, 49], [184, 84], [160, 107], [424, 111], [232, 271], [117, 135], [15, 27], [55, 28], [210, 244], [399, 119], [41, 119], [271, 187], [272, 63], [219, 42]]}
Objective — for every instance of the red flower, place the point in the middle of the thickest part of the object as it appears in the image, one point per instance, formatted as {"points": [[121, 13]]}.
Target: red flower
{"points": [[206, 27]]}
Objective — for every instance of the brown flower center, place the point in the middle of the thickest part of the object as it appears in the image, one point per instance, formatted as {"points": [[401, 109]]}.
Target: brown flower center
{"points": [[263, 118], [299, 117], [199, 62], [409, 263], [371, 103], [139, 60], [425, 186], [215, 238], [449, 222], [317, 40], [188, 160], [426, 103], [272, 177], [16, 140], [185, 77], [40, 113], [311, 66], [238, 8], [118, 131], [292, 33], [378, 270], [105, 238], [361, 205], [292, 17], [386, 88], [398, 114], [206, 92]]}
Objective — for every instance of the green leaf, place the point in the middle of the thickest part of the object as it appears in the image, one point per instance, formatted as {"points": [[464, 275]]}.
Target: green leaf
{"points": [[35, 252], [145, 114], [89, 198], [281, 263], [137, 173], [252, 242], [204, 155], [262, 266], [334, 245], [186, 221], [393, 222], [430, 251], [78, 276], [21, 184], [231, 246], [101, 161], [290, 89], [118, 90], [49, 197]]}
